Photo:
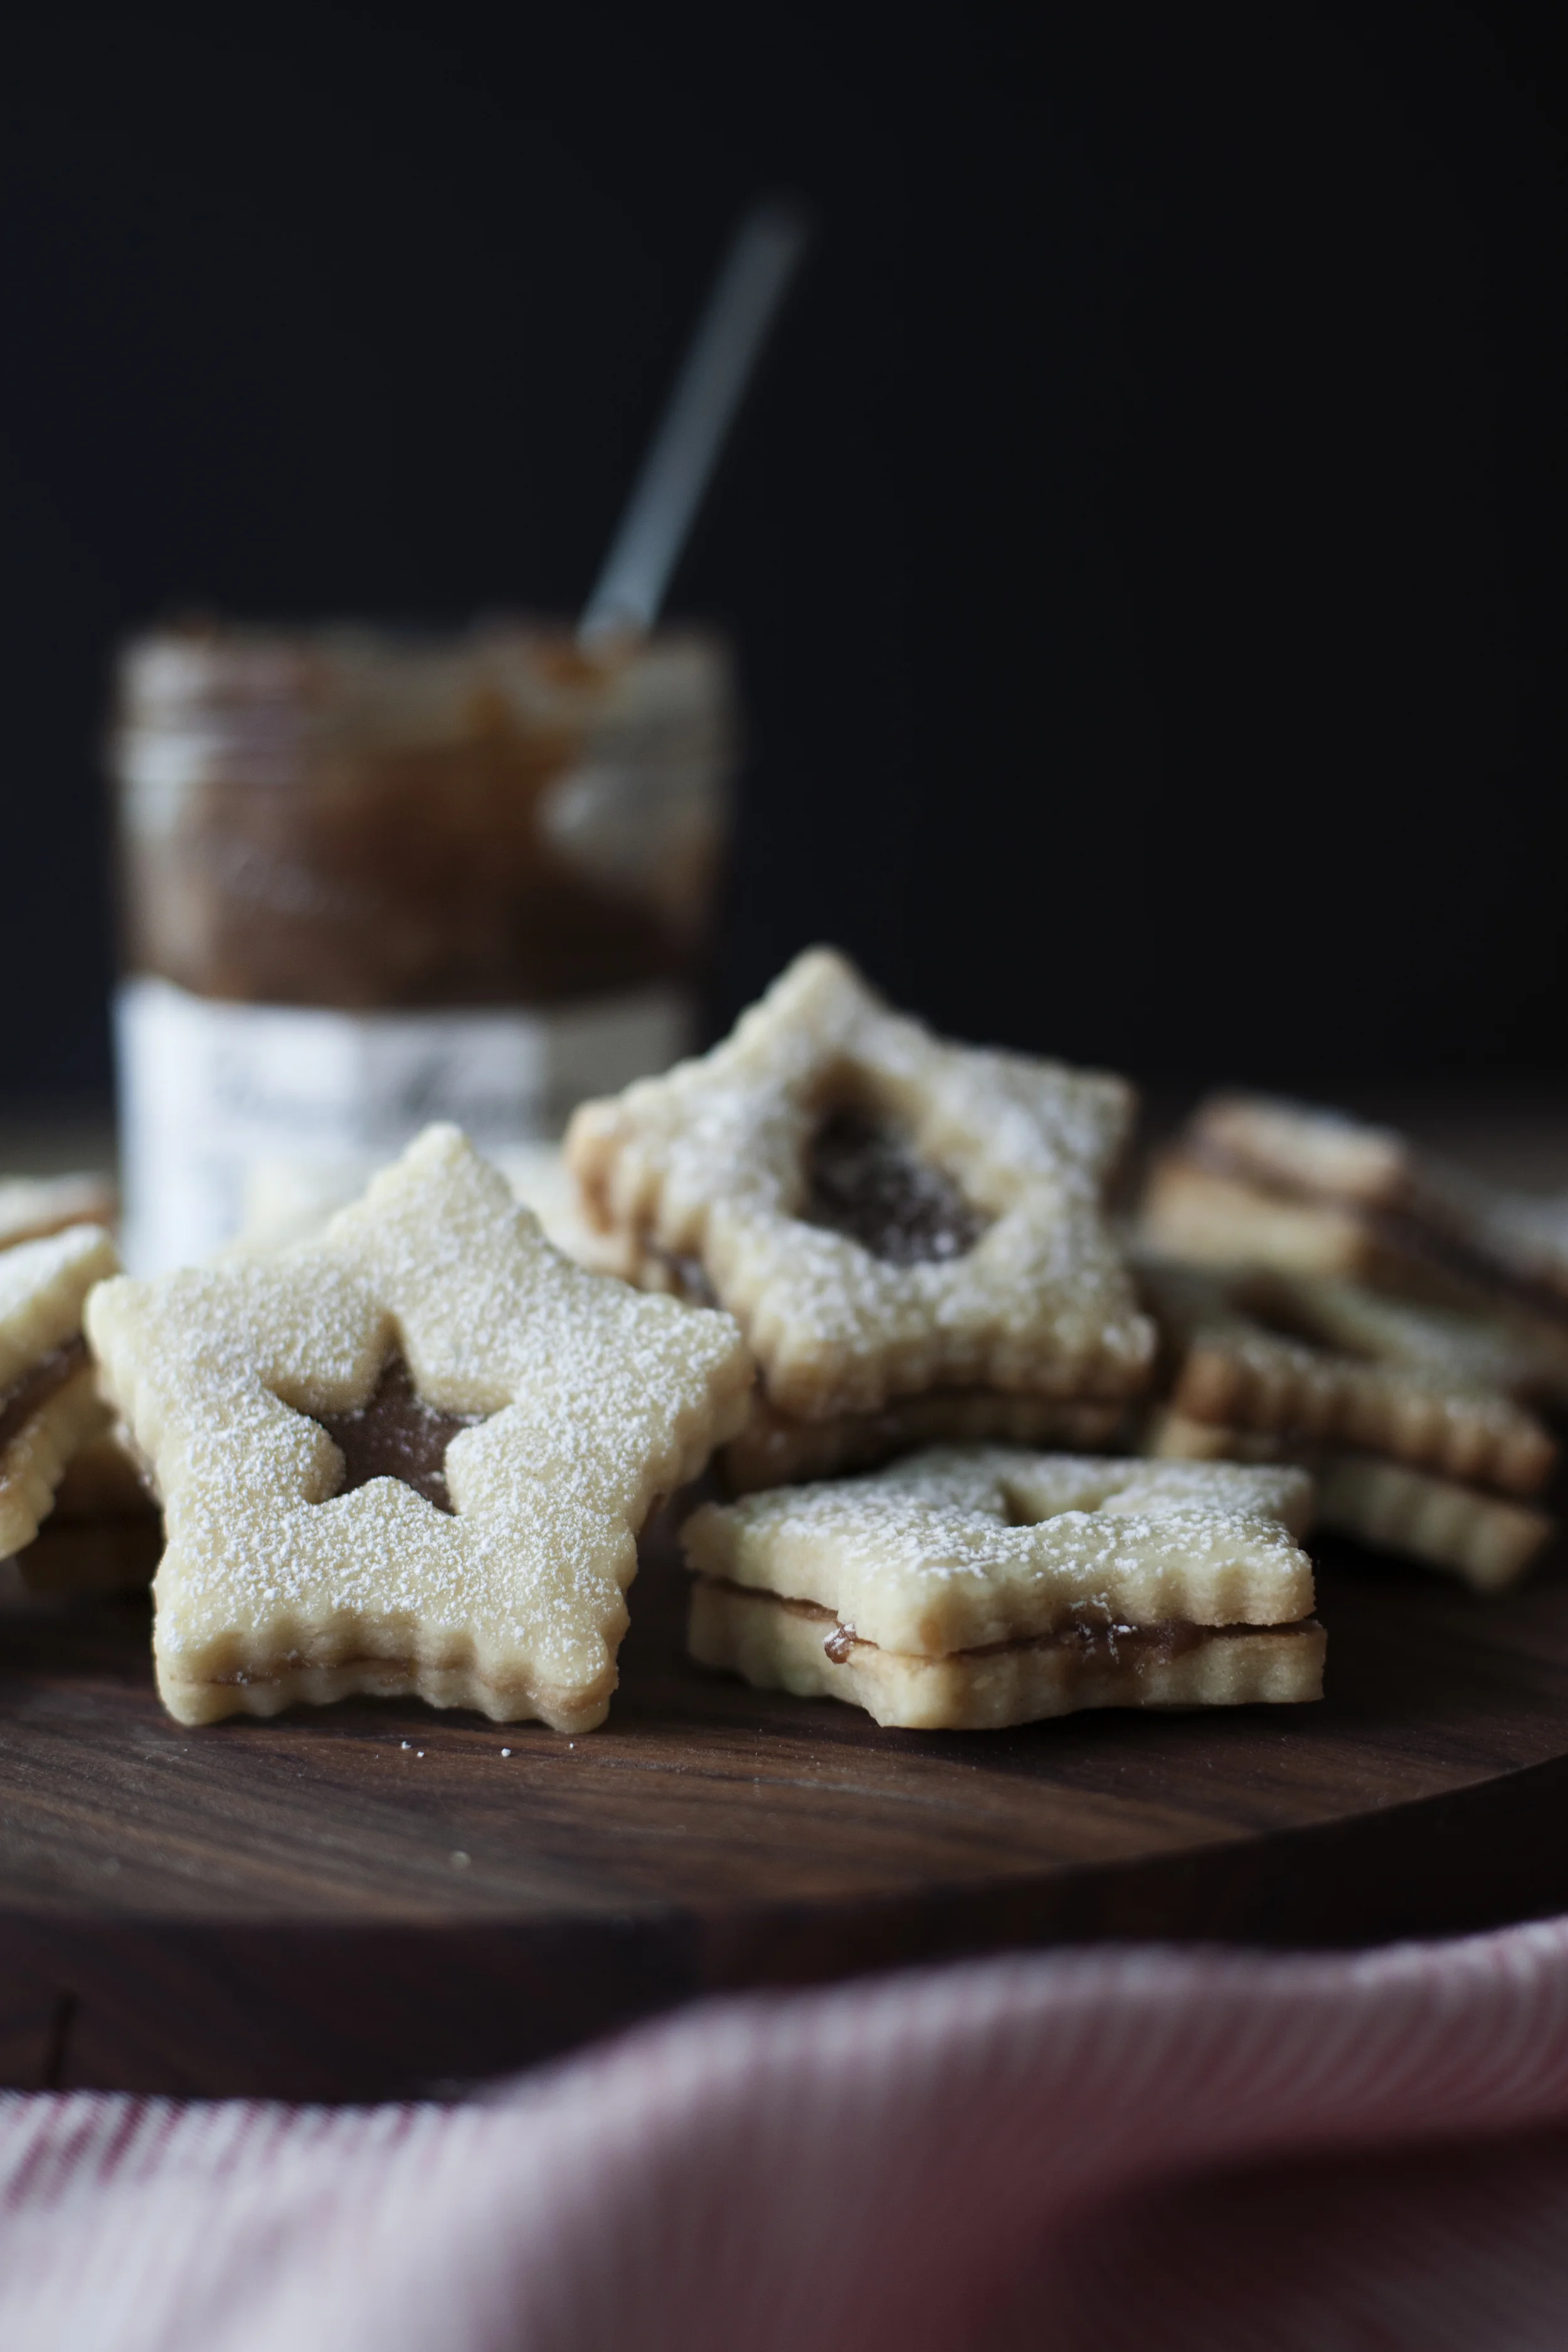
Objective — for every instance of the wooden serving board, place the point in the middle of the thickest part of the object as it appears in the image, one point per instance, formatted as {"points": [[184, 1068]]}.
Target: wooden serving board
{"points": [[374, 1899]]}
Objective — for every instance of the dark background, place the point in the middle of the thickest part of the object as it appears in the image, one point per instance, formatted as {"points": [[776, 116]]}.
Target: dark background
{"points": [[1143, 549]]}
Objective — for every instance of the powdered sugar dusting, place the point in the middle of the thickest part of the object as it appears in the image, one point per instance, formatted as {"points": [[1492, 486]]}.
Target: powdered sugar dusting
{"points": [[710, 1162], [596, 1399], [961, 1545]]}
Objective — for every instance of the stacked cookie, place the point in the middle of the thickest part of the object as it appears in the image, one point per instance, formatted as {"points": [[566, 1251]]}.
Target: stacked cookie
{"points": [[407, 1448], [913, 1237], [1327, 1293], [49, 1407], [911, 1234], [966, 1587], [1254, 1180]]}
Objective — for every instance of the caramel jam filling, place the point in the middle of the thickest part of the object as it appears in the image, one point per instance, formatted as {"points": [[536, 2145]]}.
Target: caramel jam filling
{"points": [[1092, 1635], [37, 1385], [397, 1435], [865, 1182]]}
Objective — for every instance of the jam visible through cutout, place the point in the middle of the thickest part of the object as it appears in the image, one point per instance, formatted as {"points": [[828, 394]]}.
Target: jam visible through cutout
{"points": [[398, 1435], [867, 1183]]}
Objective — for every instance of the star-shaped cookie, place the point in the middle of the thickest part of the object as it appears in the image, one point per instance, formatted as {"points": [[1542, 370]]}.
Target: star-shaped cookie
{"points": [[1486, 1540], [1313, 1189], [882, 1211], [1224, 1366], [412, 1456], [970, 1587], [48, 1399]]}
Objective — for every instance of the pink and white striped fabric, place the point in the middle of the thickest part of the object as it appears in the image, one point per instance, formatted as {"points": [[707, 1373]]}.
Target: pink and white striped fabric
{"points": [[1108, 2150]]}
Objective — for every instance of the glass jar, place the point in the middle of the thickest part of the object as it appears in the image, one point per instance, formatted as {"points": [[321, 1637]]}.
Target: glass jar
{"points": [[368, 880]]}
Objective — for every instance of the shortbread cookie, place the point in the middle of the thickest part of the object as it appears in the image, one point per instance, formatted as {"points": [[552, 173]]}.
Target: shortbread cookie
{"points": [[1521, 1359], [1193, 1211], [48, 1399], [412, 1457], [32, 1206], [1306, 1149], [774, 1450], [1483, 1539], [966, 1587], [1223, 1366], [1172, 1436], [1189, 1211], [1410, 1202], [883, 1212]]}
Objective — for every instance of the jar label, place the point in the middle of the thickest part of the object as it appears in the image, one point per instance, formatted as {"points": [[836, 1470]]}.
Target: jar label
{"points": [[208, 1090]]}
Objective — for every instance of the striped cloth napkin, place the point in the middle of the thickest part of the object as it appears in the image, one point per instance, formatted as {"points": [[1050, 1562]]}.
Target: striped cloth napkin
{"points": [[1116, 2148]]}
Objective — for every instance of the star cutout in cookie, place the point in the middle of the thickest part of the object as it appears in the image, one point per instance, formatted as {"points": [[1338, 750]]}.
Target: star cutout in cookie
{"points": [[410, 1457], [882, 1211]]}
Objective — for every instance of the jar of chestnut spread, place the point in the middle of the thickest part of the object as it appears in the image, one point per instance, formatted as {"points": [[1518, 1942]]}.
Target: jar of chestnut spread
{"points": [[370, 880]]}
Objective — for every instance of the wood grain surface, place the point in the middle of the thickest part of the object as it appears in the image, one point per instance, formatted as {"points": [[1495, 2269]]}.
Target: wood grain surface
{"points": [[373, 1899]]}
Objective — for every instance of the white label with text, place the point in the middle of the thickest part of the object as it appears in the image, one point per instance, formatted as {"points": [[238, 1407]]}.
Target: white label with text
{"points": [[208, 1091]]}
